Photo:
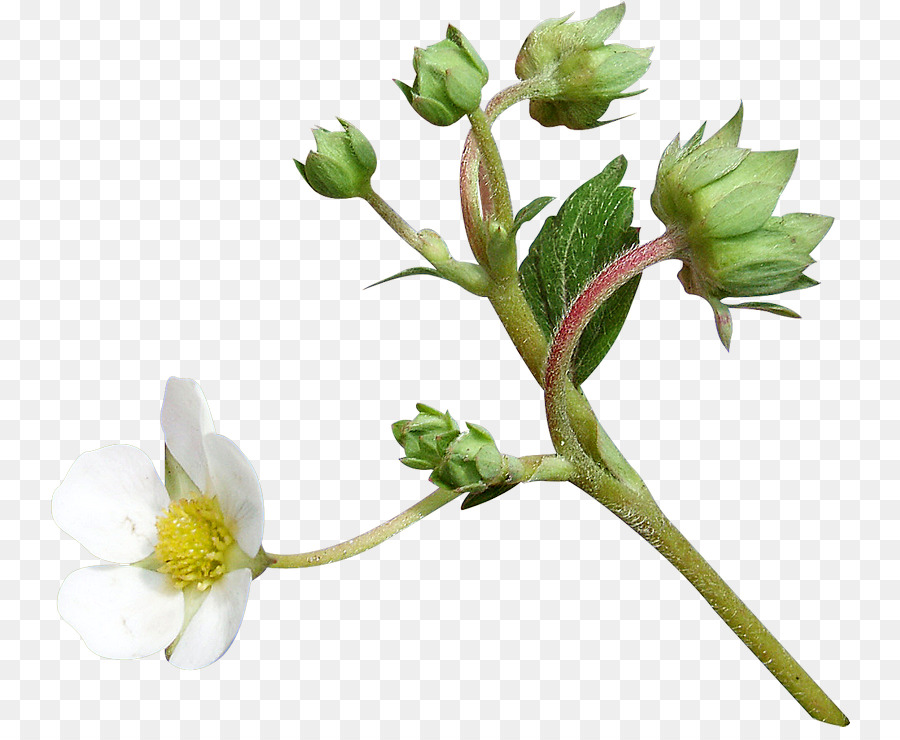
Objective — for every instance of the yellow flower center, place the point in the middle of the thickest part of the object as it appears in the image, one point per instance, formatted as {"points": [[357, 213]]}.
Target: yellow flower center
{"points": [[193, 541]]}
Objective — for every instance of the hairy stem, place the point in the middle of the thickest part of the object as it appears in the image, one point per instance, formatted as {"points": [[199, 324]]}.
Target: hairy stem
{"points": [[636, 507], [494, 174], [367, 540], [509, 302], [394, 220], [534, 468], [650, 523], [559, 359], [474, 178], [429, 244]]}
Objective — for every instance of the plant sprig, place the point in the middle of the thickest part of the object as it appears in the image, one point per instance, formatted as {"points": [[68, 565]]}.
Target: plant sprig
{"points": [[564, 304]]}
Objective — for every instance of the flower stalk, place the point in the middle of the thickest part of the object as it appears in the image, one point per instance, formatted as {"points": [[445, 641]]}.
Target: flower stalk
{"points": [[429, 244], [559, 358], [535, 468]]}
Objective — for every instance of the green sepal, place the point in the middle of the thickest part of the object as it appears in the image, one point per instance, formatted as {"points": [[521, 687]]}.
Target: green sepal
{"points": [[457, 37], [741, 211], [601, 26], [178, 483], [412, 462], [592, 228], [621, 68], [806, 229], [302, 170], [707, 167], [728, 135], [425, 438], [406, 90], [691, 144], [724, 323], [774, 308]]}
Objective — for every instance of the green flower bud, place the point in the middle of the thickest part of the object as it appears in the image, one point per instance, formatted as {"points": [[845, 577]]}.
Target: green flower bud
{"points": [[575, 75], [449, 78], [472, 463], [342, 166], [716, 201], [426, 438]]}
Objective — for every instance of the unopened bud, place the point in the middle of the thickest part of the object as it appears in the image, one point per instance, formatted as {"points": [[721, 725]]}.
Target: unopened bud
{"points": [[342, 165], [449, 79]]}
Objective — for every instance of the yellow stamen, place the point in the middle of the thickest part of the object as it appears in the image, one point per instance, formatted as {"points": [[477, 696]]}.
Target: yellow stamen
{"points": [[193, 540]]}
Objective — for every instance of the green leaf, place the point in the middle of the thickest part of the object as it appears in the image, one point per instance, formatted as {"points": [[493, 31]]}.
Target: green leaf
{"points": [[530, 211], [407, 273], [592, 227]]}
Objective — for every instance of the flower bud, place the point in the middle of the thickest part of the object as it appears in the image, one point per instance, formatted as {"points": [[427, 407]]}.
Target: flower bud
{"points": [[716, 201], [449, 79], [472, 463], [342, 166], [426, 438], [575, 75]]}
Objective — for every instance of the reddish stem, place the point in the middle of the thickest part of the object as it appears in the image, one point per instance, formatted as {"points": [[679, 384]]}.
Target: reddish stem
{"points": [[559, 358]]}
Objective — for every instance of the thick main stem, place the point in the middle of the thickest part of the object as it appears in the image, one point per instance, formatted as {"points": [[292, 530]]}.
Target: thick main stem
{"points": [[638, 509], [651, 524]]}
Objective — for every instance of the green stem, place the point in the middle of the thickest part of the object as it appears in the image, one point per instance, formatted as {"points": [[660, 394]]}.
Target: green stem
{"points": [[396, 222], [546, 468], [534, 468], [429, 244], [636, 507], [367, 540], [494, 172], [506, 295], [649, 522], [471, 174]]}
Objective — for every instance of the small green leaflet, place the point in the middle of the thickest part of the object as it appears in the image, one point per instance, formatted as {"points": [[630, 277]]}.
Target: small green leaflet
{"points": [[528, 212], [407, 273], [592, 227]]}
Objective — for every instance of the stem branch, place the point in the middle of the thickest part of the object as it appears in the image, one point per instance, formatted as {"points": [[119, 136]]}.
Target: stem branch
{"points": [[559, 359], [429, 244], [494, 173], [393, 219]]}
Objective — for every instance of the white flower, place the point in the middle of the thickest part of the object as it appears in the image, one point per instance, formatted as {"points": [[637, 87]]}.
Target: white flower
{"points": [[193, 549]]}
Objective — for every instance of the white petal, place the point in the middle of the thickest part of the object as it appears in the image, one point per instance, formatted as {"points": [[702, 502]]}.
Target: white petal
{"points": [[186, 420], [109, 502], [215, 625], [121, 611], [233, 481]]}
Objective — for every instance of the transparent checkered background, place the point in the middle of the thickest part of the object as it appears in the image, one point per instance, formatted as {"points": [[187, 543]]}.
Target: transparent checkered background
{"points": [[153, 224]]}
